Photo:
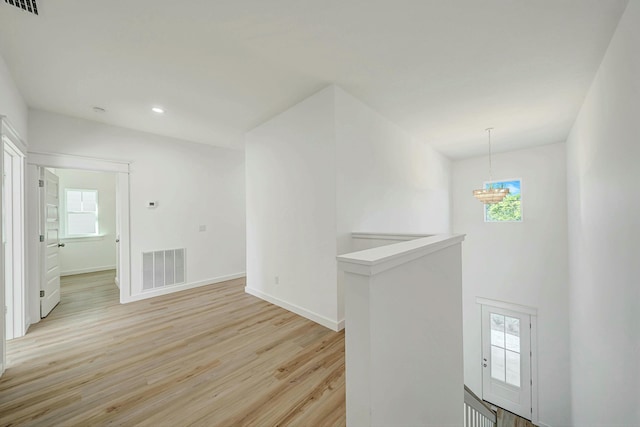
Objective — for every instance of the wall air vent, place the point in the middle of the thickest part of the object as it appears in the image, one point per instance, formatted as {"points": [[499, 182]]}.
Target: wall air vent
{"points": [[163, 268], [28, 5]]}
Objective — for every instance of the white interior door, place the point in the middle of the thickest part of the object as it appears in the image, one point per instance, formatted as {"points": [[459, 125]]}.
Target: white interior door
{"points": [[506, 360], [50, 285]]}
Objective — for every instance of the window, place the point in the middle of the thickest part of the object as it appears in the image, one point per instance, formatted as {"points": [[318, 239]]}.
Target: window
{"points": [[510, 208], [81, 212]]}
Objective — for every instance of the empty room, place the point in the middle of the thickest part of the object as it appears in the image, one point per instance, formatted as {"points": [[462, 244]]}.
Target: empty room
{"points": [[269, 213]]}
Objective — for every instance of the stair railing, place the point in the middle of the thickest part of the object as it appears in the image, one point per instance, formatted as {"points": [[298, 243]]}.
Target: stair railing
{"points": [[476, 412]]}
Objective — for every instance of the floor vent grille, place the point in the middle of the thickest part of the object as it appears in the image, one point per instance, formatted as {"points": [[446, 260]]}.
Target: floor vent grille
{"points": [[28, 5], [163, 268]]}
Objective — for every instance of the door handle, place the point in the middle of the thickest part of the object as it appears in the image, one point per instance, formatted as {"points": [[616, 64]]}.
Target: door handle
{"points": [[61, 245], [484, 364], [117, 240]]}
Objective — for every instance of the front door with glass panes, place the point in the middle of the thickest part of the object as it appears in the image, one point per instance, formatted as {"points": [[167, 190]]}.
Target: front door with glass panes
{"points": [[506, 360]]}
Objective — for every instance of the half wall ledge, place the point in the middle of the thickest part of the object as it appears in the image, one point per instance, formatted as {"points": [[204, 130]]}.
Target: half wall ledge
{"points": [[403, 342], [376, 260]]}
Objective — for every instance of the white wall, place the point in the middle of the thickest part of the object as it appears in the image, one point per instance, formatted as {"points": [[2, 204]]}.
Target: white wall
{"points": [[84, 255], [604, 230], [194, 184], [404, 334], [12, 104], [324, 168], [386, 180], [291, 209], [523, 263]]}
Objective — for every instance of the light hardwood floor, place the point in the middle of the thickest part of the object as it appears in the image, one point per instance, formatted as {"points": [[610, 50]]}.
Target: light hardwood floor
{"points": [[507, 419], [211, 356]]}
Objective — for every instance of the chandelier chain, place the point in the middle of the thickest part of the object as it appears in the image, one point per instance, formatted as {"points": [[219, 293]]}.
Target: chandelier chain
{"points": [[490, 165]]}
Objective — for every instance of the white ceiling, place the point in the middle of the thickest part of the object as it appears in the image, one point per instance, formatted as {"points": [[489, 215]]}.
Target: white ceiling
{"points": [[442, 70]]}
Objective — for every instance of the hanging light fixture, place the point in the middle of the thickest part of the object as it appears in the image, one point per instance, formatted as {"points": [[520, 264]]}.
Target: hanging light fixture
{"points": [[490, 195]]}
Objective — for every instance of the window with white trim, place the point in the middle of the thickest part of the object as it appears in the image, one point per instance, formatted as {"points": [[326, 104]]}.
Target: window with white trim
{"points": [[81, 212], [510, 208]]}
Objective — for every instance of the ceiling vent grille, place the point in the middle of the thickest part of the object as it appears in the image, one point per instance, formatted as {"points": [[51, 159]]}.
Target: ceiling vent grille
{"points": [[28, 5]]}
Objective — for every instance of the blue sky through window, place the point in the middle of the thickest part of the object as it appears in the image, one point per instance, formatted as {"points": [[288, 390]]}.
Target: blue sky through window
{"points": [[508, 210], [513, 186]]}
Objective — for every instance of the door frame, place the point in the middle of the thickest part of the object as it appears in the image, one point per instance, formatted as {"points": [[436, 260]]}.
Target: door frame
{"points": [[11, 137], [533, 313], [37, 160], [18, 303]]}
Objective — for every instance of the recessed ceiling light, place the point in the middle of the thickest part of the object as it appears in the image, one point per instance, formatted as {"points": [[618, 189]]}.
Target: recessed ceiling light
{"points": [[99, 110], [157, 110]]}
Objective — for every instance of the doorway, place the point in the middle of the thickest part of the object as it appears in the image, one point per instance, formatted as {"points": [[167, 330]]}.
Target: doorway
{"points": [[77, 218], [80, 228], [508, 355]]}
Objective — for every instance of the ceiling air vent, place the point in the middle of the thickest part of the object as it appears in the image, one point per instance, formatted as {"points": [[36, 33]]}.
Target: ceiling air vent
{"points": [[28, 5]]}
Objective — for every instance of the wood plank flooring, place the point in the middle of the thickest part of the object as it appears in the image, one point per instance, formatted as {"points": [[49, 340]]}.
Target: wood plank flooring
{"points": [[507, 419], [211, 356]]}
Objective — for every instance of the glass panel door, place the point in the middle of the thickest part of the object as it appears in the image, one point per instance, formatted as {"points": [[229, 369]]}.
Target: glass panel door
{"points": [[506, 377]]}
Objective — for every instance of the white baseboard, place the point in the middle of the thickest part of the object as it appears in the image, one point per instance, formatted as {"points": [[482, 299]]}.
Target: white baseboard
{"points": [[87, 270], [324, 321], [183, 287]]}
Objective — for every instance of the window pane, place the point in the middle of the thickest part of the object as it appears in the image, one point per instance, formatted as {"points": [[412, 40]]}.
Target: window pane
{"points": [[509, 209], [513, 368], [497, 330], [81, 223], [497, 363], [89, 201], [89, 206], [74, 201], [512, 326], [89, 196]]}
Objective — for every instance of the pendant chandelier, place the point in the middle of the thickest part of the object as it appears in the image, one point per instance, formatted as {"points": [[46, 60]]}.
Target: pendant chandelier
{"points": [[490, 195]]}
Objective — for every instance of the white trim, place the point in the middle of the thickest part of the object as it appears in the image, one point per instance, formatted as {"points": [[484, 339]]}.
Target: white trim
{"points": [[375, 260], [81, 239], [19, 303], [532, 311], [87, 270], [66, 161], [123, 231], [315, 317], [388, 236], [534, 369], [484, 207], [13, 135], [183, 287]]}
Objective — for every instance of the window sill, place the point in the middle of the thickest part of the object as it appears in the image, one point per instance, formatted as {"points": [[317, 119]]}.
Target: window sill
{"points": [[82, 239]]}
